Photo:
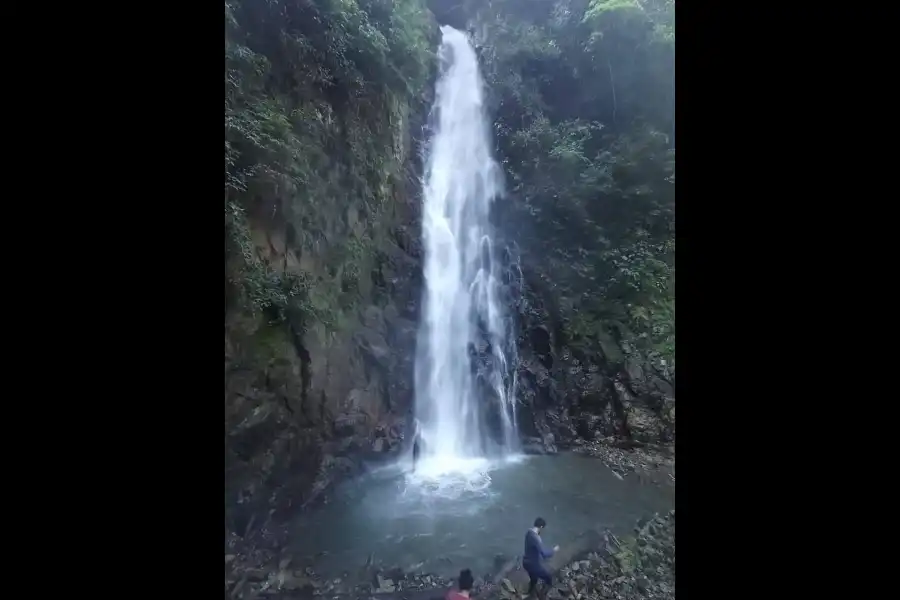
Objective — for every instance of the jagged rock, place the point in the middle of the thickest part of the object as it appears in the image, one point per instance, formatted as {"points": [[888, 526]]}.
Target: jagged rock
{"points": [[585, 392], [384, 584], [539, 445], [297, 581], [255, 575]]}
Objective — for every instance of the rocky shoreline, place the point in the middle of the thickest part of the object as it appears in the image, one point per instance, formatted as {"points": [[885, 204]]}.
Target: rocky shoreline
{"points": [[640, 566], [656, 463], [244, 580]]}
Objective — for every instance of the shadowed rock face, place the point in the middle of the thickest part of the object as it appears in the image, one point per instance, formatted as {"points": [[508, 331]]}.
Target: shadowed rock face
{"points": [[304, 409], [306, 402], [323, 136], [574, 392]]}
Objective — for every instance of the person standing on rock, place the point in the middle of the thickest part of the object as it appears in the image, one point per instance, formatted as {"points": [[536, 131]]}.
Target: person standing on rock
{"points": [[535, 553], [466, 582]]}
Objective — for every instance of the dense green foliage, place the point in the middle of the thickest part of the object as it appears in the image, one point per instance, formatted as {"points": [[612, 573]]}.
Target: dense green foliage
{"points": [[583, 94], [317, 96]]}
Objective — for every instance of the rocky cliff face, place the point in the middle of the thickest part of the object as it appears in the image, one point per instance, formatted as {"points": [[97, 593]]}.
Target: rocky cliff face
{"points": [[574, 393], [304, 408], [324, 109]]}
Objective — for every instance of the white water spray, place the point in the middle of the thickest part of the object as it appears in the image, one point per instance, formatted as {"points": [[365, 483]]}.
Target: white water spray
{"points": [[465, 384]]}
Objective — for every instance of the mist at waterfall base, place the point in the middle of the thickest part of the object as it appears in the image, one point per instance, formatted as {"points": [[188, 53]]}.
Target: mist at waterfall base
{"points": [[465, 359]]}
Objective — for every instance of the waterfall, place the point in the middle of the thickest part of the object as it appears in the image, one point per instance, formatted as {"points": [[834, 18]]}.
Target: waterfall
{"points": [[465, 359]]}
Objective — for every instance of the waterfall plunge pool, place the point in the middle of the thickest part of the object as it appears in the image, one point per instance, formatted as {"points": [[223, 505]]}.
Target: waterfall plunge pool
{"points": [[452, 516]]}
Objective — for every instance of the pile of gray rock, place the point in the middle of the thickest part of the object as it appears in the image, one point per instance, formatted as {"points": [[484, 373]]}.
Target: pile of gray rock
{"points": [[245, 580], [643, 459]]}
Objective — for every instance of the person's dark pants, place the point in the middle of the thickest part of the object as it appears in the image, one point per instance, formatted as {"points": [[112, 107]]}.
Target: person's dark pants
{"points": [[535, 573]]}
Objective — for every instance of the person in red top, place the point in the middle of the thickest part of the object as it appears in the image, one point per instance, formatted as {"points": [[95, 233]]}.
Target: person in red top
{"points": [[466, 581]]}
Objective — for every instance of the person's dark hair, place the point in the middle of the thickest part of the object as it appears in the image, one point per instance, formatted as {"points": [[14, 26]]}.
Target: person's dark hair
{"points": [[466, 581], [540, 523]]}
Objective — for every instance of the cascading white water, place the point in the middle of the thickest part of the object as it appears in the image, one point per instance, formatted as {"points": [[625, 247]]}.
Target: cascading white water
{"points": [[465, 386]]}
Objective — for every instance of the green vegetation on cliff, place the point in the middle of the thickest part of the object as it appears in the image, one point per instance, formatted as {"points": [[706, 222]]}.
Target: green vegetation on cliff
{"points": [[317, 101]]}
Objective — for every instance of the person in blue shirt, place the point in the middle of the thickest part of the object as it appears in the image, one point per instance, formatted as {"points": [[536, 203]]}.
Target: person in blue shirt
{"points": [[535, 553]]}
